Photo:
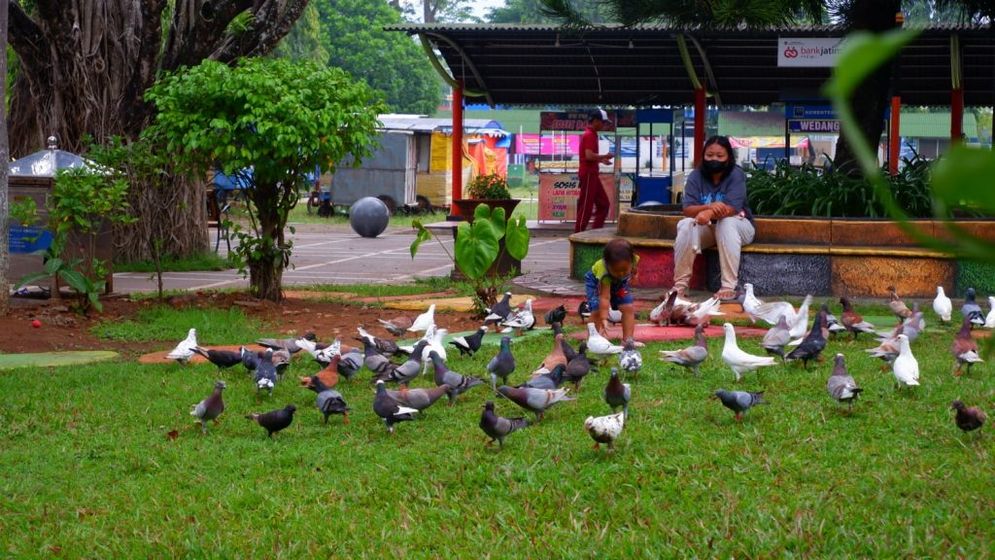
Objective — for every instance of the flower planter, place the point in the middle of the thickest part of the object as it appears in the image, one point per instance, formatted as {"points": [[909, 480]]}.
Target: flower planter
{"points": [[466, 206]]}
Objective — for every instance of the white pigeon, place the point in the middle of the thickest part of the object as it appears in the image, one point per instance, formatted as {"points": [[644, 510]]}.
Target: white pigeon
{"points": [[990, 318], [185, 349], [614, 316], [942, 305], [423, 321], [522, 320], [799, 326], [740, 361], [905, 366], [326, 354], [771, 311], [598, 345], [434, 337], [605, 429], [702, 312], [751, 304]]}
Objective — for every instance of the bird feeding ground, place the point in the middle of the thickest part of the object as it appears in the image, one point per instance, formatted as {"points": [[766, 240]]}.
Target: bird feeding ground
{"points": [[103, 460]]}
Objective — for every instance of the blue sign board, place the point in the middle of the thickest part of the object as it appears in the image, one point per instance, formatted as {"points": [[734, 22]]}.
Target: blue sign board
{"points": [[815, 126], [819, 112], [26, 240]]}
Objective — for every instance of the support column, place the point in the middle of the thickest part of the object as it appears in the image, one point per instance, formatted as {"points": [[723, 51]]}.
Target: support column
{"points": [[457, 147], [894, 134], [700, 115], [956, 115]]}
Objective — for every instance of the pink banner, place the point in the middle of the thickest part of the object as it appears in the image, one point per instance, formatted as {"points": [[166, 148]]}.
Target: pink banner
{"points": [[558, 196], [547, 144]]}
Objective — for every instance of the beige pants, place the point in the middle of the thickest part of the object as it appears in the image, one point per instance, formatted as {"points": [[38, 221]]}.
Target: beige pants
{"points": [[730, 234]]}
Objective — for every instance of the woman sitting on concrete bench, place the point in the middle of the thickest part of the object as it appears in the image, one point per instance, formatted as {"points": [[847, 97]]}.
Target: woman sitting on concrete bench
{"points": [[717, 215]]}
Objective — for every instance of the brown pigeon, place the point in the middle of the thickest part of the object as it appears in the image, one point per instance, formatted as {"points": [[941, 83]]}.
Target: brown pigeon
{"points": [[968, 418], [896, 305], [964, 348]]}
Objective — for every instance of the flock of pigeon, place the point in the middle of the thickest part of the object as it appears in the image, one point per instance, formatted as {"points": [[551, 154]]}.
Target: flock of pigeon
{"points": [[790, 338]]}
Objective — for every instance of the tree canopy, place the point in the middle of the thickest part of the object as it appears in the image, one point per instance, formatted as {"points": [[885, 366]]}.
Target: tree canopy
{"points": [[349, 34], [270, 121]]}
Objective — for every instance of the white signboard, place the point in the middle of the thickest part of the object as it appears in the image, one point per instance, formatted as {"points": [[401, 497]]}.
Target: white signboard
{"points": [[808, 51]]}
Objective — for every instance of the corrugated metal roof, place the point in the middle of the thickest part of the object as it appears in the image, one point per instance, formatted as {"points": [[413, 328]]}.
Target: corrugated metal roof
{"points": [[418, 123], [535, 65]]}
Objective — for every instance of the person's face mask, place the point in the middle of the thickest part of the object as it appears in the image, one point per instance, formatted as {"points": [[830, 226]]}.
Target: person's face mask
{"points": [[714, 165]]}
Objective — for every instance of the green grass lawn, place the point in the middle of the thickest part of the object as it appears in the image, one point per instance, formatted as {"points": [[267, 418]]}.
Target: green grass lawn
{"points": [[165, 323], [89, 470]]}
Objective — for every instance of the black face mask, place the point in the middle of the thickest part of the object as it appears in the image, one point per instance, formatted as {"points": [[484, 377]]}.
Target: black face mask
{"points": [[714, 166]]}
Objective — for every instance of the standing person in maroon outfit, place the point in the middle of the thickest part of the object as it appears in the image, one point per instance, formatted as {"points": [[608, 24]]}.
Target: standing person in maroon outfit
{"points": [[592, 192]]}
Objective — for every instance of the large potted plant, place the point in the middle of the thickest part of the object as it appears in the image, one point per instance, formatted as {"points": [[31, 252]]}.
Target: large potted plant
{"points": [[490, 190]]}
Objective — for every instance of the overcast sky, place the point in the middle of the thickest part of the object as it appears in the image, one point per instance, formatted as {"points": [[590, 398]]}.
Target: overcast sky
{"points": [[480, 7]]}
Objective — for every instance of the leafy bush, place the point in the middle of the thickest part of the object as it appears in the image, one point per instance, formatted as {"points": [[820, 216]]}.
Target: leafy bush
{"points": [[810, 191], [488, 187]]}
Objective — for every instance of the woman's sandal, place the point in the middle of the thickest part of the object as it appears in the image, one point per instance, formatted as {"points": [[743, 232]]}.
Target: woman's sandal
{"points": [[725, 295]]}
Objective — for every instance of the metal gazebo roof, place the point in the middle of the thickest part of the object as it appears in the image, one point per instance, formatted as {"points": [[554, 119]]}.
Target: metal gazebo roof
{"points": [[640, 66], [45, 163]]}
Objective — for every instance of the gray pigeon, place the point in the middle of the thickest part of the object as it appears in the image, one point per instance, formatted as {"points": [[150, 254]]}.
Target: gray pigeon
{"points": [[274, 420], [777, 338], [578, 366], [350, 363], [971, 310], [406, 372], [418, 399], [618, 394], [739, 401], [328, 401], [458, 384], [841, 385], [387, 408], [692, 356], [376, 362], [498, 427], [384, 346], [211, 407], [503, 364], [568, 351], [249, 358], [468, 345], [534, 400], [550, 380], [288, 344], [265, 376]]}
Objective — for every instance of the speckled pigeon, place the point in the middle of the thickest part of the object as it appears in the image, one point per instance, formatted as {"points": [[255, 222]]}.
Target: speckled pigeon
{"points": [[605, 429], [274, 420], [630, 360], [211, 407], [498, 427]]}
